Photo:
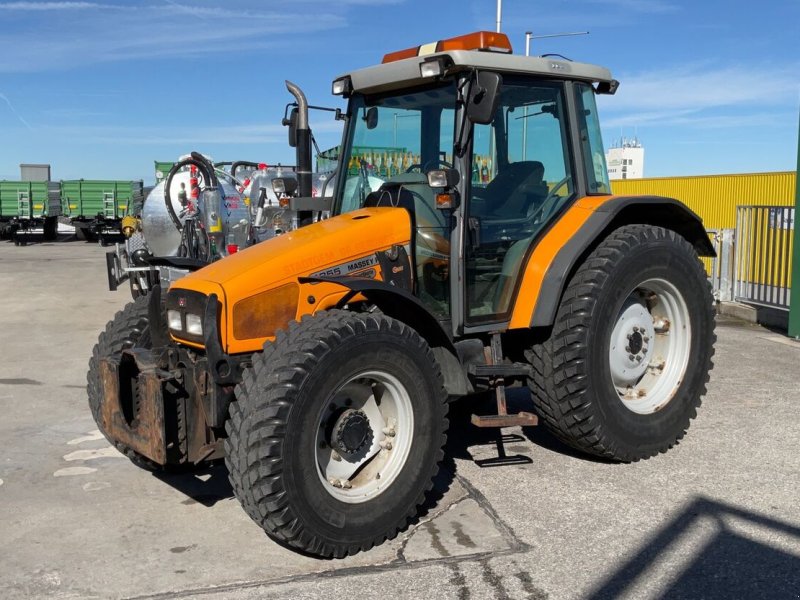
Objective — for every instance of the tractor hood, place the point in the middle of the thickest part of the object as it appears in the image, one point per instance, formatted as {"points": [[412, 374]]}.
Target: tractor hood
{"points": [[280, 261]]}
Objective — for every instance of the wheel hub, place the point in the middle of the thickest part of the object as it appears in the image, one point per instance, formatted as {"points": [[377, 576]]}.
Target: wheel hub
{"points": [[631, 343], [351, 432]]}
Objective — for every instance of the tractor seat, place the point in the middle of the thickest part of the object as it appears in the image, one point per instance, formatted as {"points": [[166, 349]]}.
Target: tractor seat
{"points": [[512, 191]]}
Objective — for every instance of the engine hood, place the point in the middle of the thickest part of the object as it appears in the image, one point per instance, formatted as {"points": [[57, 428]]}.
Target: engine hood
{"points": [[302, 252]]}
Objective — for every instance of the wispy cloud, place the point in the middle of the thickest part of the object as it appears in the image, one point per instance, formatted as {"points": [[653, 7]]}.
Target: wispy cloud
{"points": [[239, 134], [639, 6], [704, 96], [19, 117], [48, 6], [88, 33]]}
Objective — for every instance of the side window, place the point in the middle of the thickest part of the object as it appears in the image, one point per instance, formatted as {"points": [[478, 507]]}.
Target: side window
{"points": [[592, 141]]}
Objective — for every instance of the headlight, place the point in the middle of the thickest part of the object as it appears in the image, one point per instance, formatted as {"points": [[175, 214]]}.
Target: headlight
{"points": [[174, 320], [342, 87], [194, 324]]}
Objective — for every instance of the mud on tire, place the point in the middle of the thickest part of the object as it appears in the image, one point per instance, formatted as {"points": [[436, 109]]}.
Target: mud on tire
{"points": [[288, 407]]}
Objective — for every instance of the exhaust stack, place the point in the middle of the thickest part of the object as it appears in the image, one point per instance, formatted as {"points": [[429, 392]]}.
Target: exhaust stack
{"points": [[303, 149]]}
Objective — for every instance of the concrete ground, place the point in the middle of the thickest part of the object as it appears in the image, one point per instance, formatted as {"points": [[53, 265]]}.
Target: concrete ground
{"points": [[716, 517]]}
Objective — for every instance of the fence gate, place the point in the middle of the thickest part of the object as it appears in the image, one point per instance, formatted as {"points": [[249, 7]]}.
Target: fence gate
{"points": [[762, 268]]}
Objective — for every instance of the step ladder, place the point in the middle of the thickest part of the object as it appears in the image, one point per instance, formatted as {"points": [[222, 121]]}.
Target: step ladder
{"points": [[109, 205], [24, 205], [497, 372]]}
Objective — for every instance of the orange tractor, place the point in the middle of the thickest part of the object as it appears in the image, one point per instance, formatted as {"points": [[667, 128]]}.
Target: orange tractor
{"points": [[321, 363]]}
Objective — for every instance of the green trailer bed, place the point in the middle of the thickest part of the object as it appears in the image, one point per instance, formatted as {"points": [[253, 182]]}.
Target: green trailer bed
{"points": [[26, 205], [95, 207]]}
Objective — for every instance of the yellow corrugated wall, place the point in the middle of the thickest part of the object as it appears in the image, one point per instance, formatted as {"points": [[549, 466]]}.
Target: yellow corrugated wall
{"points": [[715, 197]]}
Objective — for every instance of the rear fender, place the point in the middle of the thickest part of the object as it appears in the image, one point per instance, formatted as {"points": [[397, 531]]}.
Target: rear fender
{"points": [[606, 215]]}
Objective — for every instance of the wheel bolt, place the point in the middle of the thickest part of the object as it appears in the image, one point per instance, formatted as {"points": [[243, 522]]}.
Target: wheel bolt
{"points": [[627, 348], [631, 356], [346, 485], [646, 338], [388, 431], [636, 330], [386, 445], [335, 455]]}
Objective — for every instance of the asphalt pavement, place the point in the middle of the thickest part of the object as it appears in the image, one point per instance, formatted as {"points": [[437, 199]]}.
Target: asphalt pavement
{"points": [[718, 516]]}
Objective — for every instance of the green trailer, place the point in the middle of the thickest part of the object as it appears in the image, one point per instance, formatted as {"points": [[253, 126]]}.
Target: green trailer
{"points": [[96, 207], [28, 205], [163, 169]]}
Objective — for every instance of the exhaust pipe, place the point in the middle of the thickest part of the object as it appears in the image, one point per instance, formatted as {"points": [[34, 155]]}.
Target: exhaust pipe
{"points": [[303, 149]]}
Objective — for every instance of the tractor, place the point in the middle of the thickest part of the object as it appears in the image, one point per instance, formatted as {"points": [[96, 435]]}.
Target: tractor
{"points": [[321, 363]]}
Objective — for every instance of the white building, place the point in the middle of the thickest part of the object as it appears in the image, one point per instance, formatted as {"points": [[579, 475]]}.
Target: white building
{"points": [[625, 159]]}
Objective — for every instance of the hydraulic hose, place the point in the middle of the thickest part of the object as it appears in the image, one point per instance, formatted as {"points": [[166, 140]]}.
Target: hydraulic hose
{"points": [[206, 170]]}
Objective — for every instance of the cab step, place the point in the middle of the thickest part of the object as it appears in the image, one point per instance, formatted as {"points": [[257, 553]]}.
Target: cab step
{"points": [[496, 371]]}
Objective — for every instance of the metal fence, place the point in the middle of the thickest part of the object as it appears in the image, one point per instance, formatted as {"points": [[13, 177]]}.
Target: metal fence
{"points": [[763, 253]]}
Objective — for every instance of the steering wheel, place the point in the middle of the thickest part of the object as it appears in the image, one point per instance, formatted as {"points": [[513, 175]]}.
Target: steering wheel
{"points": [[422, 168], [546, 207]]}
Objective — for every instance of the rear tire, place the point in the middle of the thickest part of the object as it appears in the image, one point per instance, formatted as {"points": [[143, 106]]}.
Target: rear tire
{"points": [[128, 329], [628, 360], [311, 397]]}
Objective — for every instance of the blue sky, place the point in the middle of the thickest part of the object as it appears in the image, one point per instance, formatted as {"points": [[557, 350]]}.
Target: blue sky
{"points": [[102, 88]]}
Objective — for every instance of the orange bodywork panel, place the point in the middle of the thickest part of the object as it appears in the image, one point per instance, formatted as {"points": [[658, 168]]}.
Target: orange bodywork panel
{"points": [[243, 280], [543, 255]]}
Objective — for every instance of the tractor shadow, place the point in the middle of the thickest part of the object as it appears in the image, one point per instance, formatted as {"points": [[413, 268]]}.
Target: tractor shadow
{"points": [[205, 485], [511, 448]]}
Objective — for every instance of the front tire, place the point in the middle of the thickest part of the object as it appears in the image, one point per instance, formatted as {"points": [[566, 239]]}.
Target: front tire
{"points": [[628, 360], [337, 432]]}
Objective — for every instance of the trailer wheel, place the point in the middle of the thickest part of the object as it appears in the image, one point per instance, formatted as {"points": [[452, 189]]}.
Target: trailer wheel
{"points": [[628, 360], [127, 329], [337, 432], [50, 229]]}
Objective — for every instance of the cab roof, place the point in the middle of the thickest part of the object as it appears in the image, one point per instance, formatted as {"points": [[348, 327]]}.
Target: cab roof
{"points": [[481, 50]]}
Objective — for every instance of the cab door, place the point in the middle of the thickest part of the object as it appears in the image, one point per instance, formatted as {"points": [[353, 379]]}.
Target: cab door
{"points": [[522, 175]]}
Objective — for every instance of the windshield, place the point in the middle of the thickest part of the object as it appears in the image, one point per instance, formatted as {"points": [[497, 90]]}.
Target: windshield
{"points": [[393, 141], [396, 139]]}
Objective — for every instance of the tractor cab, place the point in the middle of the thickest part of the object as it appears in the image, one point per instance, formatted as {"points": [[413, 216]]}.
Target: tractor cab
{"points": [[483, 149]]}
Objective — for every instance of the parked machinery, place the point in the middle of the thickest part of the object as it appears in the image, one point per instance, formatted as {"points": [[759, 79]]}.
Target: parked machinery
{"points": [[201, 211], [29, 205]]}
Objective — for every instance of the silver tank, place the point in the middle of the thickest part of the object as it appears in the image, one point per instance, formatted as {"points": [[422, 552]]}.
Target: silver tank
{"points": [[163, 238]]}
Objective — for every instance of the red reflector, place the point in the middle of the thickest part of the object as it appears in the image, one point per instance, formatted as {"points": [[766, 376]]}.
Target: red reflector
{"points": [[262, 166], [283, 202], [480, 40], [233, 248]]}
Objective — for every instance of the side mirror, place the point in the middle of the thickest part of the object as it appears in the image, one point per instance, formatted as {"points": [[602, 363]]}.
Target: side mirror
{"points": [[484, 94], [293, 128], [371, 117]]}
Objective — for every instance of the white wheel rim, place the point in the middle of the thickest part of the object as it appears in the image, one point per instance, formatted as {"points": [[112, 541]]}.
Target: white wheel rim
{"points": [[650, 346], [361, 471]]}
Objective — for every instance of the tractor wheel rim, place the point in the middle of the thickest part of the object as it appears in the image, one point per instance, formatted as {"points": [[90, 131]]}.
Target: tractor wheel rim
{"points": [[364, 435], [650, 346]]}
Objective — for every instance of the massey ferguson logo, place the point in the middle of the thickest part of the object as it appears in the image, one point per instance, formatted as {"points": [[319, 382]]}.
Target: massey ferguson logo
{"points": [[182, 302]]}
